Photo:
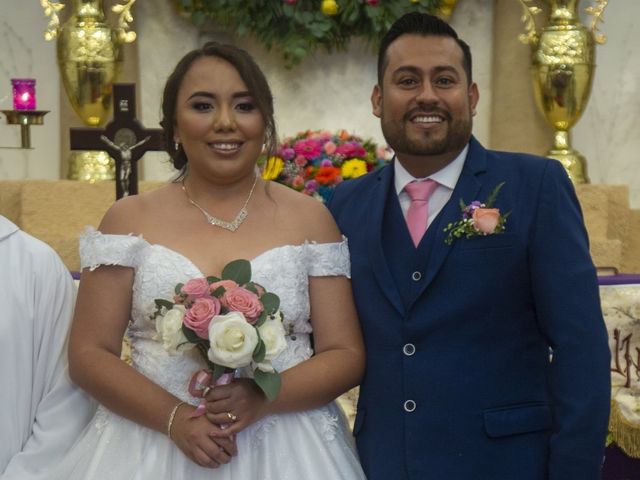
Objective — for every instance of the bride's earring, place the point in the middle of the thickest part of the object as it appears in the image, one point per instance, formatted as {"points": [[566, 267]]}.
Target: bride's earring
{"points": [[176, 145]]}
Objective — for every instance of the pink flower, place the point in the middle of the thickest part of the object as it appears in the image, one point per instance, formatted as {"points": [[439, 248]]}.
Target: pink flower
{"points": [[290, 2], [226, 284], [351, 149], [486, 219], [243, 301], [329, 148], [298, 181], [300, 161], [195, 288], [287, 153], [309, 148], [200, 314], [373, 3]]}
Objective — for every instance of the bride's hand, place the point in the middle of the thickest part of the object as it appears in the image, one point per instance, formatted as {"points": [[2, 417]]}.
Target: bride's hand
{"points": [[236, 406], [204, 443]]}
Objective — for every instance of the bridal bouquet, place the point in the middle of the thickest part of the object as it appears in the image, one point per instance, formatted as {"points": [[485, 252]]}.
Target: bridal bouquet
{"points": [[232, 321]]}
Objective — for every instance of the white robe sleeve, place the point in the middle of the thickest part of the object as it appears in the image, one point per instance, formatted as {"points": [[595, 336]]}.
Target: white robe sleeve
{"points": [[54, 410]]}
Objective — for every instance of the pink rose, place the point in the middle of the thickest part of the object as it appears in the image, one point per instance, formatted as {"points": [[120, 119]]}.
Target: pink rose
{"points": [[226, 284], [486, 219], [200, 314], [330, 148], [243, 301], [195, 288]]}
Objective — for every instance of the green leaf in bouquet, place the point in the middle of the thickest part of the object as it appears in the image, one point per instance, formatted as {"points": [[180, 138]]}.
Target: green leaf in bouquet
{"points": [[178, 288], [238, 270], [251, 287], [190, 334], [260, 351], [212, 279], [218, 292], [269, 383], [218, 370], [261, 319], [270, 302], [161, 302]]}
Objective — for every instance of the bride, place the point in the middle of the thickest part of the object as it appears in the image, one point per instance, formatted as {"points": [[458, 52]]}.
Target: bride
{"points": [[218, 117]]}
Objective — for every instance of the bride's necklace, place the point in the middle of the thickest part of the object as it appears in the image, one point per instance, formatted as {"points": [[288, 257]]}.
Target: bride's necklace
{"points": [[231, 226]]}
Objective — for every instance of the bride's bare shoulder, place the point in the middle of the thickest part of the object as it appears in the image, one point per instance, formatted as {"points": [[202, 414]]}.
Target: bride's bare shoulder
{"points": [[308, 215], [132, 214]]}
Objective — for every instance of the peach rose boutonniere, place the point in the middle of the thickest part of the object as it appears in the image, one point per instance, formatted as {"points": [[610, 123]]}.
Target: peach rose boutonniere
{"points": [[478, 218]]}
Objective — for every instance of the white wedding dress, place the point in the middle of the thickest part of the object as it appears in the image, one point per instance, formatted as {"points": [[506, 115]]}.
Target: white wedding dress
{"points": [[314, 444]]}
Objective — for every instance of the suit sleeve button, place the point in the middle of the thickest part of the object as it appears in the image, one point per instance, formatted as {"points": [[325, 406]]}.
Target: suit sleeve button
{"points": [[416, 276]]}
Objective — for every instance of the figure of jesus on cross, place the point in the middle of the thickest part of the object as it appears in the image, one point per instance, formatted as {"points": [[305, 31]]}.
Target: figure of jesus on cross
{"points": [[125, 161]]}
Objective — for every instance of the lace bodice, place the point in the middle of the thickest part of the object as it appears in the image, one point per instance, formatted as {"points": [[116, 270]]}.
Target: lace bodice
{"points": [[283, 270]]}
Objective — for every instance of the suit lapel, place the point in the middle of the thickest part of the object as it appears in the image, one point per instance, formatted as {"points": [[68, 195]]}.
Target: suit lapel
{"points": [[377, 257], [466, 189]]}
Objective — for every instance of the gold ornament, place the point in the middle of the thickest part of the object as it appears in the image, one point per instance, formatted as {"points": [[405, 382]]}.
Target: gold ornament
{"points": [[562, 67], [90, 60]]}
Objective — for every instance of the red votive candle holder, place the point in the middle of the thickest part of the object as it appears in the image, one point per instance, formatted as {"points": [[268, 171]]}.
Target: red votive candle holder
{"points": [[24, 93]]}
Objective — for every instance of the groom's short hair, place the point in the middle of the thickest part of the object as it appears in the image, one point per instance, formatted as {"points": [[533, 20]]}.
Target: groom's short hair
{"points": [[420, 24]]}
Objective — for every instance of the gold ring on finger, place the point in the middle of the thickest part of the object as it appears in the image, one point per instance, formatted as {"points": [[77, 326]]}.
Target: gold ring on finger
{"points": [[232, 417]]}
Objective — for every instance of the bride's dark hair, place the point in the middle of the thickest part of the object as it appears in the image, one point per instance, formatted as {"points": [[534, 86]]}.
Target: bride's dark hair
{"points": [[251, 75]]}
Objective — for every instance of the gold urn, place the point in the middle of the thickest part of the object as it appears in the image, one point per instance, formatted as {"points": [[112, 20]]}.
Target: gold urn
{"points": [[89, 55], [562, 67]]}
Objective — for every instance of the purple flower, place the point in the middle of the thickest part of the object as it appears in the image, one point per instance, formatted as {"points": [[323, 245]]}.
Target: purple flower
{"points": [[287, 153], [326, 163]]}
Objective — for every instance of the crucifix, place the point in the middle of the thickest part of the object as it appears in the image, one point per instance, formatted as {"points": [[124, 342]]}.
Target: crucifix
{"points": [[124, 138]]}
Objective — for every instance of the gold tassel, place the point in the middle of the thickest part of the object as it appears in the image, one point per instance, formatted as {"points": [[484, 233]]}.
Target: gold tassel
{"points": [[625, 434]]}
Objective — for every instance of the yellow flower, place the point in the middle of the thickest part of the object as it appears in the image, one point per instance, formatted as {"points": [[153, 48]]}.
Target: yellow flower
{"points": [[354, 167], [272, 168], [329, 7]]}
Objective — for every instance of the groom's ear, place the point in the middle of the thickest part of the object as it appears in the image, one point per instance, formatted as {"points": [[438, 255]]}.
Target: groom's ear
{"points": [[376, 101]]}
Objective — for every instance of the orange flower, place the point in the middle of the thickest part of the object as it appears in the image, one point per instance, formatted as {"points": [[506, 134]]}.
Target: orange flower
{"points": [[327, 175]]}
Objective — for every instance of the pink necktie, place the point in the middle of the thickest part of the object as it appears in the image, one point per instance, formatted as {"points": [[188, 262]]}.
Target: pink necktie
{"points": [[418, 213]]}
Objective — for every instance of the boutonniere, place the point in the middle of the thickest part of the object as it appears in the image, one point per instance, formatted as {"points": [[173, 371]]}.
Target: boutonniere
{"points": [[478, 218]]}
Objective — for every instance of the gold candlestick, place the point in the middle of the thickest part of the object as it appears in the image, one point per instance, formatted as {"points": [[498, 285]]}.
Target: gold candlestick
{"points": [[25, 118]]}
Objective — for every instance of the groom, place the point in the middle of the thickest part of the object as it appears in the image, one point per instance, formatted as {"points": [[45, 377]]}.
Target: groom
{"points": [[487, 355]]}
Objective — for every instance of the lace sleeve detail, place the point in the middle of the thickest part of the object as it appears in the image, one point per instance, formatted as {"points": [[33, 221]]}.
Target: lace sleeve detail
{"points": [[328, 259], [98, 249]]}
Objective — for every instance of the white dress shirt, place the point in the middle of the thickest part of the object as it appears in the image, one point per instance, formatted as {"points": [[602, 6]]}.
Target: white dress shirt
{"points": [[446, 178]]}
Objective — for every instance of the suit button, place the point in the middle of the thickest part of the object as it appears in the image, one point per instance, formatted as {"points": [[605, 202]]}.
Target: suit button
{"points": [[409, 349], [416, 276], [409, 406]]}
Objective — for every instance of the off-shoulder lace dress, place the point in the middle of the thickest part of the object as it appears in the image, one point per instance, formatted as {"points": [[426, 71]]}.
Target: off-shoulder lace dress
{"points": [[314, 444]]}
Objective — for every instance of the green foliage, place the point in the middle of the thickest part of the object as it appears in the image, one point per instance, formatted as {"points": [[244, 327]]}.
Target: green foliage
{"points": [[268, 382], [300, 29], [239, 271]]}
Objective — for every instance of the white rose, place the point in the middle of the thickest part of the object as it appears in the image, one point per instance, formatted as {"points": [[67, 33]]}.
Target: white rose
{"points": [[272, 334], [232, 339], [169, 331]]}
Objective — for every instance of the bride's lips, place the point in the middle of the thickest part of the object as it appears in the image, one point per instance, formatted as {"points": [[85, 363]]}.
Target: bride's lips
{"points": [[225, 147]]}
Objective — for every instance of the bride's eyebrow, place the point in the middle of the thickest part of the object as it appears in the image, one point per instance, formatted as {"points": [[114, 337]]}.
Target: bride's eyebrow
{"points": [[213, 96]]}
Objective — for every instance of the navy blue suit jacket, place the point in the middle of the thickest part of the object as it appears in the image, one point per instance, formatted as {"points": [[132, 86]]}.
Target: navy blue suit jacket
{"points": [[459, 382]]}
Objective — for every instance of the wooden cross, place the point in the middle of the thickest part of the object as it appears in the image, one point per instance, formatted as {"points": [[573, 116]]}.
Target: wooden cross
{"points": [[124, 138]]}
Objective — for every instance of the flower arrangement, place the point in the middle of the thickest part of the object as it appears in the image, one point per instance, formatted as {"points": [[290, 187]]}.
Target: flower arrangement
{"points": [[314, 162], [478, 218], [232, 321], [299, 27]]}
